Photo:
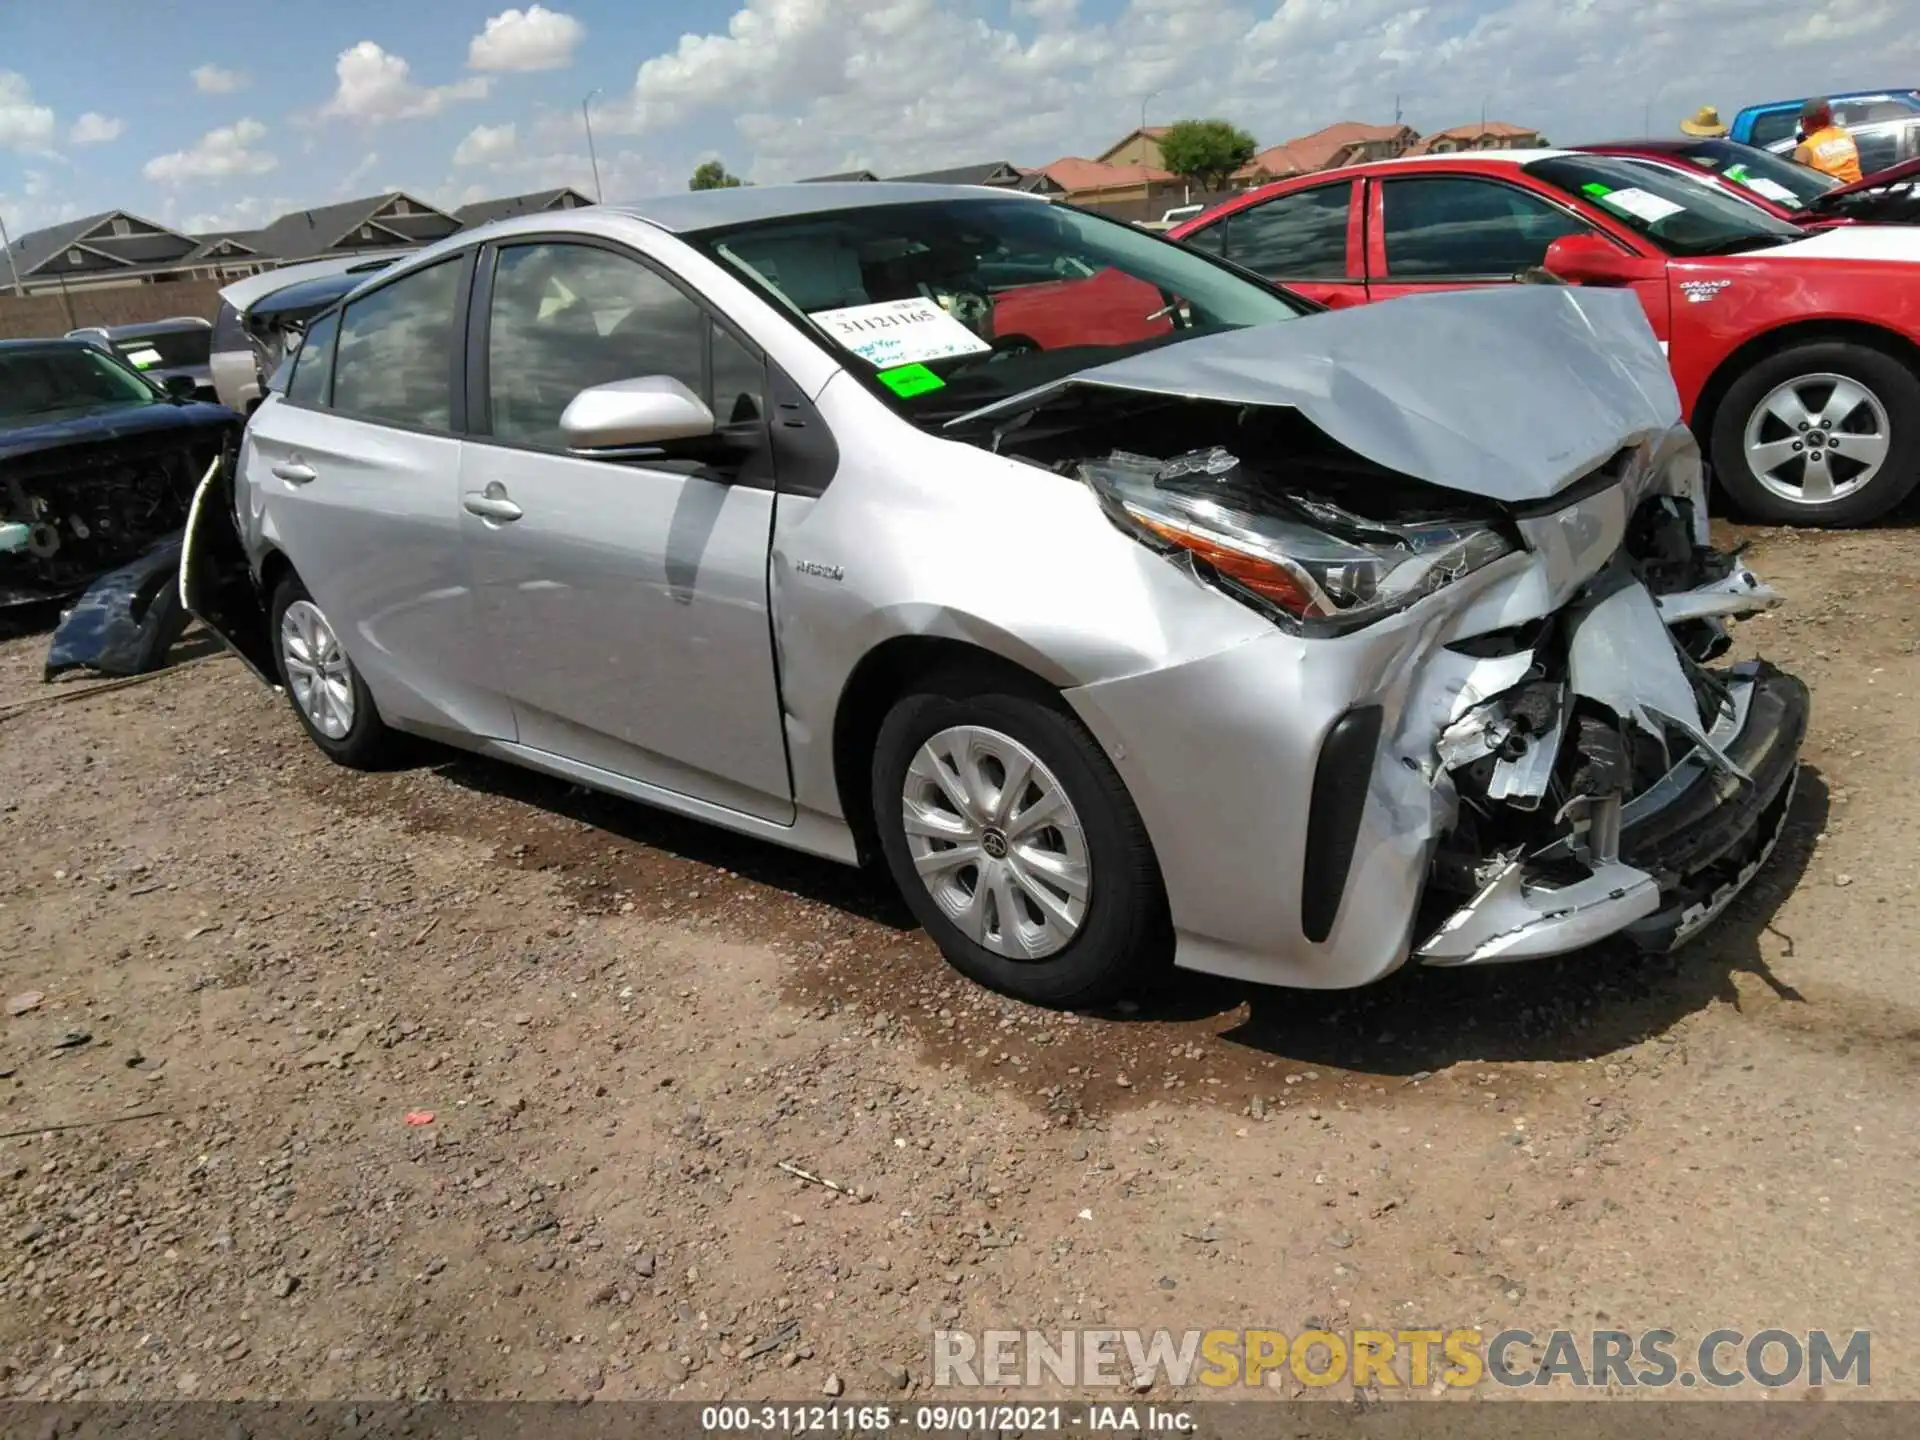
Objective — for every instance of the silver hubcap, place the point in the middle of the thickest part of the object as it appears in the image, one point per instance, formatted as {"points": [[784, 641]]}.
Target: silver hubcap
{"points": [[1817, 438], [317, 669], [996, 842]]}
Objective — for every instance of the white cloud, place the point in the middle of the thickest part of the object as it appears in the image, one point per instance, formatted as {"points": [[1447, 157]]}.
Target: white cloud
{"points": [[211, 79], [485, 145], [375, 86], [532, 39], [217, 155], [249, 212], [350, 182], [23, 124], [93, 128]]}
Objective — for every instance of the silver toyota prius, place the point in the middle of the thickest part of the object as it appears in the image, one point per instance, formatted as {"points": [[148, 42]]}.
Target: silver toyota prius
{"points": [[1130, 610]]}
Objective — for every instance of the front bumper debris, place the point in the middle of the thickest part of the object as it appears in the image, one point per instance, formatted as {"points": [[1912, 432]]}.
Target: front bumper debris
{"points": [[1616, 787]]}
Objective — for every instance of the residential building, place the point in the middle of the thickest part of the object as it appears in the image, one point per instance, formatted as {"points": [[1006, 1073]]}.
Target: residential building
{"points": [[1095, 183], [1138, 147], [1350, 142], [1487, 135], [1000, 173], [378, 222], [483, 211], [117, 247], [840, 178]]}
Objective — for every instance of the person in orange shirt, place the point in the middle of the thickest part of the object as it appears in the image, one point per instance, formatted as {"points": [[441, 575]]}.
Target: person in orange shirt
{"points": [[1825, 143]]}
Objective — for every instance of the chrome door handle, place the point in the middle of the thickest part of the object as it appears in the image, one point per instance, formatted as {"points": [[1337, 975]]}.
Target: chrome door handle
{"points": [[490, 506], [296, 472]]}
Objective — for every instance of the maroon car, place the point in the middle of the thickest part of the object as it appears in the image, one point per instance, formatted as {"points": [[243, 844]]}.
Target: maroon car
{"points": [[1782, 187]]}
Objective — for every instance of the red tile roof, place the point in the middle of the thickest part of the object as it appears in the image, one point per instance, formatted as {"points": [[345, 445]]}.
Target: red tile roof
{"points": [[1070, 172], [1493, 129], [1323, 147]]}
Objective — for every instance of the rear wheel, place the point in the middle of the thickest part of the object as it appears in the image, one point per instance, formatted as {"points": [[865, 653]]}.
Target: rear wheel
{"points": [[1015, 842], [1820, 434], [332, 701]]}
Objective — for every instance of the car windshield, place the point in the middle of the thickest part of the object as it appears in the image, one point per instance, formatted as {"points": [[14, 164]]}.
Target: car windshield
{"points": [[1787, 183], [1681, 215], [165, 349], [943, 306], [44, 384]]}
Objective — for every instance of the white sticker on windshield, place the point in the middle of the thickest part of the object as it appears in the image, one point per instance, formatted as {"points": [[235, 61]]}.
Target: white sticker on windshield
{"points": [[1650, 208], [900, 332], [140, 359], [1772, 189]]}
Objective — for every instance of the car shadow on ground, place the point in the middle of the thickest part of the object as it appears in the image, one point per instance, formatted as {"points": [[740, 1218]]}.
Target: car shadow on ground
{"points": [[1575, 1007]]}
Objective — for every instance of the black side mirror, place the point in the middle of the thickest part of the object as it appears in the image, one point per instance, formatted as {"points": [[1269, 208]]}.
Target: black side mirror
{"points": [[181, 387]]}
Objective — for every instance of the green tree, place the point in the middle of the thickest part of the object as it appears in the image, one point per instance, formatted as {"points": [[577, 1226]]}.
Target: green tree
{"points": [[1205, 152], [712, 175]]}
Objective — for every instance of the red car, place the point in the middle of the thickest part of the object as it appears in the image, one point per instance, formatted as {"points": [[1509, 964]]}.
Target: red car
{"points": [[1796, 353], [1782, 187]]}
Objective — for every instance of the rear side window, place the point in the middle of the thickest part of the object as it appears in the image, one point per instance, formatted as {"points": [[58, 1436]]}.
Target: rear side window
{"points": [[228, 332], [313, 366], [1296, 237], [394, 354], [1774, 125]]}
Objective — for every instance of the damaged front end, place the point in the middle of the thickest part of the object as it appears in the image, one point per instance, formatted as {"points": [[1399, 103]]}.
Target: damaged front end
{"points": [[1499, 643], [1617, 786]]}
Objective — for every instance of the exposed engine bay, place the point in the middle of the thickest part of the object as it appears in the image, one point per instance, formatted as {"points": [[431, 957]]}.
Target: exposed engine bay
{"points": [[1589, 774], [70, 525]]}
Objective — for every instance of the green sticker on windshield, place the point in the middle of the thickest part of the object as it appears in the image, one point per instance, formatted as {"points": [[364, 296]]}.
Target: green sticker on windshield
{"points": [[1598, 191], [907, 381]]}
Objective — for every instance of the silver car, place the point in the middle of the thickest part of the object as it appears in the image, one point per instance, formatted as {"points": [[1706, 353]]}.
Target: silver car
{"points": [[1130, 610]]}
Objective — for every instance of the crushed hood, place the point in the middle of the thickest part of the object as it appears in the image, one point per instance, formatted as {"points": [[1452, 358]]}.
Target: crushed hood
{"points": [[1511, 392], [136, 428]]}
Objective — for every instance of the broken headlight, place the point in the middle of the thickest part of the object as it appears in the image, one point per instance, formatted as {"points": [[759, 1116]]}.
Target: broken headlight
{"points": [[1307, 562]]}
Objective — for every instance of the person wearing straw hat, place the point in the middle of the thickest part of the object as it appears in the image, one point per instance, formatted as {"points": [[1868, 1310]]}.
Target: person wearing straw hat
{"points": [[1825, 143], [1704, 122]]}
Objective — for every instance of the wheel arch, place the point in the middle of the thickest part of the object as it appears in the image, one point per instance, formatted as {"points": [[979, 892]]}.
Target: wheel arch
{"points": [[1706, 409], [881, 676]]}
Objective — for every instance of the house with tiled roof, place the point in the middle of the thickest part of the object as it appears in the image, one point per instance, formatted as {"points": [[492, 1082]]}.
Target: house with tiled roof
{"points": [[1485, 135], [1094, 182], [1137, 147], [1349, 142], [483, 211]]}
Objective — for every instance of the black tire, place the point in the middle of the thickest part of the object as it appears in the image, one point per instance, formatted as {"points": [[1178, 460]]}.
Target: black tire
{"points": [[1893, 383], [367, 743], [1125, 938]]}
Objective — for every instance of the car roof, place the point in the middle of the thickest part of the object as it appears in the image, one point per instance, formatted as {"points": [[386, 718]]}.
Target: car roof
{"points": [[694, 210], [155, 327], [46, 342], [1893, 94]]}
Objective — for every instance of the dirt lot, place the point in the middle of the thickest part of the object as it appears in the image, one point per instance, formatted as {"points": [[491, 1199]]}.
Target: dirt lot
{"points": [[253, 966]]}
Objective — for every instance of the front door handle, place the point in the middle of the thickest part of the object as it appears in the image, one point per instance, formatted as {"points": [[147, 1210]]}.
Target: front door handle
{"points": [[491, 503], [296, 472]]}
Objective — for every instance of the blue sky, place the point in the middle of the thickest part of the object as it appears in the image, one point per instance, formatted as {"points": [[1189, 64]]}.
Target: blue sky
{"points": [[247, 109]]}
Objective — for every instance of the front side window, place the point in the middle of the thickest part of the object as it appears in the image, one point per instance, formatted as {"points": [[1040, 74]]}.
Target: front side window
{"points": [[394, 360], [1296, 237], [1679, 214], [1448, 227], [943, 306], [313, 362], [565, 318]]}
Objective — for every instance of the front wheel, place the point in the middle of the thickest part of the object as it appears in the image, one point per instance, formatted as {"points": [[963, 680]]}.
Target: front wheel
{"points": [[1820, 434], [1015, 842], [333, 702]]}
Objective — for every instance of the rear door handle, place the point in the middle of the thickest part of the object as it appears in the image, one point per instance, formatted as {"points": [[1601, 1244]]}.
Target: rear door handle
{"points": [[491, 504], [296, 472]]}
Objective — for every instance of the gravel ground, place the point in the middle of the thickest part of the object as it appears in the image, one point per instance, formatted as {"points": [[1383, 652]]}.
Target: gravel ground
{"points": [[456, 1081]]}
